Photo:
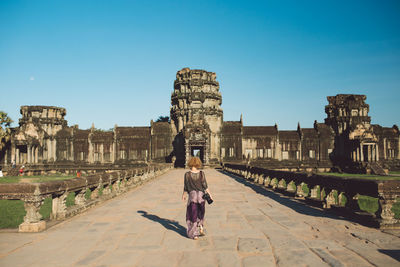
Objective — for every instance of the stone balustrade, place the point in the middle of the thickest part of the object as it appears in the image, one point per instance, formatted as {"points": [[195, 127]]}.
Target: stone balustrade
{"points": [[88, 191], [380, 198]]}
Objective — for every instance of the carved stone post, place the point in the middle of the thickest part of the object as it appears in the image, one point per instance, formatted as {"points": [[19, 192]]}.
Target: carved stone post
{"points": [[80, 199], [388, 194], [59, 209], [32, 220], [107, 189], [115, 186], [123, 185], [330, 199]]}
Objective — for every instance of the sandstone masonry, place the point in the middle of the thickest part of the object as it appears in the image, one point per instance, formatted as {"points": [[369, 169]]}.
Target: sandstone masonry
{"points": [[346, 139]]}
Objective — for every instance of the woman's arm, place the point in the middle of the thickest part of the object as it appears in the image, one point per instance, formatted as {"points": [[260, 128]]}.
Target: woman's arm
{"points": [[208, 191], [184, 194]]}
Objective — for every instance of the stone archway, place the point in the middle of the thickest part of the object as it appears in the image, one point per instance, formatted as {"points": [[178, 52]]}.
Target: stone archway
{"points": [[197, 146]]}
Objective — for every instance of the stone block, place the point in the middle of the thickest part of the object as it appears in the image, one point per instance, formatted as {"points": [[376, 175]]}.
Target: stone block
{"points": [[32, 227], [254, 245]]}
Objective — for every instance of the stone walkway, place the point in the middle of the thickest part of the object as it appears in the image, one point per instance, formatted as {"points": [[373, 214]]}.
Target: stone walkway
{"points": [[245, 226]]}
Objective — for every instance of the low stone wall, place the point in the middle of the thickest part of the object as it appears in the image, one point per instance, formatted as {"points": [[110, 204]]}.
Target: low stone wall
{"points": [[332, 191], [89, 191], [287, 165], [48, 169]]}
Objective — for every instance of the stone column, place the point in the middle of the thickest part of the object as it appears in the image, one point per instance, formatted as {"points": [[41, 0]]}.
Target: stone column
{"points": [[49, 148], [398, 150], [373, 153], [384, 148], [54, 142], [377, 152], [13, 156], [102, 153], [59, 207], [90, 152], [36, 154], [278, 150], [29, 152], [369, 153], [32, 220], [72, 155], [187, 152], [361, 152], [17, 156]]}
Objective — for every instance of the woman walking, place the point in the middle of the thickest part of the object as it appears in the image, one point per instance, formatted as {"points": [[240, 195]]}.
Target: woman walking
{"points": [[195, 186]]}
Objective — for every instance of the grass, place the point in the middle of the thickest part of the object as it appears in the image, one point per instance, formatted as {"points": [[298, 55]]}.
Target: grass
{"points": [[12, 213], [396, 209], [395, 172], [368, 204], [45, 209], [305, 189], [360, 176], [88, 194], [35, 178], [70, 200]]}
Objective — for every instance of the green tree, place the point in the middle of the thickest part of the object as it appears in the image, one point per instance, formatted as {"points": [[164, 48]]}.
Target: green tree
{"points": [[163, 119], [5, 131]]}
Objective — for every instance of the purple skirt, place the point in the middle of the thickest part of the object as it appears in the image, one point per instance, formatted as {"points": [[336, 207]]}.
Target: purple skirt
{"points": [[195, 211]]}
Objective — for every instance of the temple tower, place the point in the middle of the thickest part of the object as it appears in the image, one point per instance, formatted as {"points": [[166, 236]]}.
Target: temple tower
{"points": [[196, 115], [355, 139], [34, 141]]}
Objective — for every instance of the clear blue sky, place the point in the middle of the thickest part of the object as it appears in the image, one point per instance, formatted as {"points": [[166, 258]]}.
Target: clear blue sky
{"points": [[114, 62]]}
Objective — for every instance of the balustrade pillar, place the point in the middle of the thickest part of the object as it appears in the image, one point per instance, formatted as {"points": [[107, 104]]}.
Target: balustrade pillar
{"points": [[59, 208], [387, 216], [80, 199], [32, 220]]}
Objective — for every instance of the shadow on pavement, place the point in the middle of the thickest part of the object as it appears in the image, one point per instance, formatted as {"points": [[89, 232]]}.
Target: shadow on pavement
{"points": [[301, 206], [168, 224], [394, 253]]}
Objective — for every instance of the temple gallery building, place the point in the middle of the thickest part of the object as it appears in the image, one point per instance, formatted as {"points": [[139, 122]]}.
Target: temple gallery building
{"points": [[346, 138]]}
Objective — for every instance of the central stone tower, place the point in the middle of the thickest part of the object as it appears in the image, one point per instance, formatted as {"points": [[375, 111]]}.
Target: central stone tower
{"points": [[196, 116]]}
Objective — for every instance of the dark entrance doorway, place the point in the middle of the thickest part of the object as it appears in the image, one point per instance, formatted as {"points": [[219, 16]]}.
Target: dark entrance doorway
{"points": [[365, 153], [197, 151]]}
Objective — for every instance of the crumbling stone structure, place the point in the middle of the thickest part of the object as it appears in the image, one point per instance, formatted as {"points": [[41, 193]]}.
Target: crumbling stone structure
{"points": [[196, 115], [34, 141], [346, 139], [358, 144]]}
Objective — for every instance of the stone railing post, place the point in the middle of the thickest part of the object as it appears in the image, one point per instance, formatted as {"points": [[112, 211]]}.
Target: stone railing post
{"points": [[330, 199], [80, 199], [96, 192], [389, 193], [32, 220], [59, 208], [386, 213]]}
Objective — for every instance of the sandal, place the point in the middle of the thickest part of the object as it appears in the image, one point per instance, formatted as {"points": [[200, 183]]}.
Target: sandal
{"points": [[202, 233]]}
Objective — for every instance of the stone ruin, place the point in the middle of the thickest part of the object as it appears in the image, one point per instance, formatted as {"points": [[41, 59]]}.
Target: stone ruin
{"points": [[346, 139]]}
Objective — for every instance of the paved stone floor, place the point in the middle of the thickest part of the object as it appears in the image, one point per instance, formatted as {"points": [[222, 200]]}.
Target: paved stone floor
{"points": [[245, 227]]}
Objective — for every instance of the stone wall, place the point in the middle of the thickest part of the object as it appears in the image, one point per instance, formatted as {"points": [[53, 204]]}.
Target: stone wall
{"points": [[88, 191], [380, 198], [346, 140]]}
